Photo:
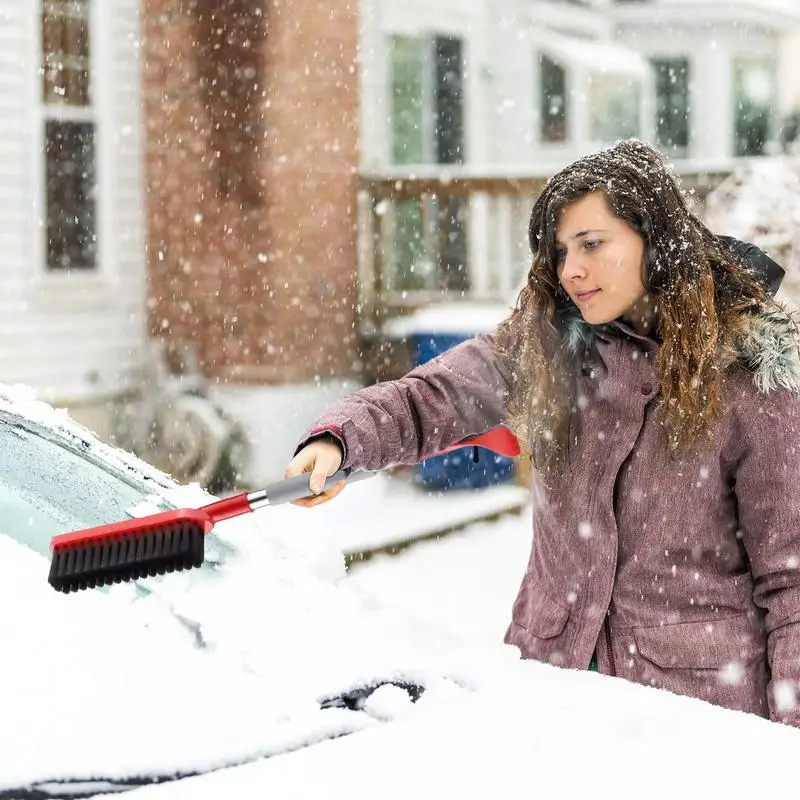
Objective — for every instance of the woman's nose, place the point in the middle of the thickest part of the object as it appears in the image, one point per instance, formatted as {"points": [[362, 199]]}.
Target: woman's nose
{"points": [[573, 267]]}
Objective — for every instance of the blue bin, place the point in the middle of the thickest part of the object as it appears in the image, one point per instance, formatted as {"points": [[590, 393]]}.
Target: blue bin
{"points": [[465, 468]]}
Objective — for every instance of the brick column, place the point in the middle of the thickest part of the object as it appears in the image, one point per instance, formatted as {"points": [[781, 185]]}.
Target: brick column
{"points": [[251, 111]]}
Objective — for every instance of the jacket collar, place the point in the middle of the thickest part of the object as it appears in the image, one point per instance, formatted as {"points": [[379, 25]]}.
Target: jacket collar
{"points": [[769, 346]]}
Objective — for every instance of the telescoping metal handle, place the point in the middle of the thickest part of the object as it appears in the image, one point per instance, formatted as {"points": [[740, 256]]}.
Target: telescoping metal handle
{"points": [[276, 493], [297, 488], [499, 440]]}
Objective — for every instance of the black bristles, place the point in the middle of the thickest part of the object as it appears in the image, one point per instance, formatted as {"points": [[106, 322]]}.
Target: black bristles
{"points": [[169, 548]]}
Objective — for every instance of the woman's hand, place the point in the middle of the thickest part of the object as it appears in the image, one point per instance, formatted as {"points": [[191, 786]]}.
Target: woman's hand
{"points": [[321, 457]]}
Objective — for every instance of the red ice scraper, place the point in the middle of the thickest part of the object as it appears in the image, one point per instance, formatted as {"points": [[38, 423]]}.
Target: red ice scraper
{"points": [[175, 540]]}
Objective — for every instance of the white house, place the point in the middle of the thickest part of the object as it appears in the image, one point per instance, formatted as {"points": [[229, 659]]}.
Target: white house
{"points": [[518, 89], [72, 309], [525, 82], [508, 88], [722, 70], [543, 81]]}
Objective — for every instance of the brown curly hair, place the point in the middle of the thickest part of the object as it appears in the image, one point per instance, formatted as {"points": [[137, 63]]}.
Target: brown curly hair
{"points": [[699, 286]]}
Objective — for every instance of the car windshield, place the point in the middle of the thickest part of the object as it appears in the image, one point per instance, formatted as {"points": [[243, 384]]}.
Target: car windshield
{"points": [[48, 487]]}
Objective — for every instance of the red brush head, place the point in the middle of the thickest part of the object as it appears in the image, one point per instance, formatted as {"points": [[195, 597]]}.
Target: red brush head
{"points": [[124, 551]]}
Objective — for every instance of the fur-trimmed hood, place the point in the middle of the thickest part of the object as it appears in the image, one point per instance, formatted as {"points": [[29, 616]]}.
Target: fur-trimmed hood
{"points": [[769, 346], [770, 349]]}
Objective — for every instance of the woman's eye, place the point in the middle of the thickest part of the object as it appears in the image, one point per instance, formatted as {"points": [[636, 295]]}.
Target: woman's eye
{"points": [[593, 244], [560, 256]]}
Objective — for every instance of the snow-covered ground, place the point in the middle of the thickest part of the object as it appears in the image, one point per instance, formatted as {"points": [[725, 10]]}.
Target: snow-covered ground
{"points": [[388, 509], [464, 583]]}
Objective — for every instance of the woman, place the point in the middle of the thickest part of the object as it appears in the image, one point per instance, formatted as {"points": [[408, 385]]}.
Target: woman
{"points": [[656, 383]]}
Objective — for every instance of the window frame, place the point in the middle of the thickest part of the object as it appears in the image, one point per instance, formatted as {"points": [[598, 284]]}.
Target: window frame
{"points": [[577, 58], [84, 286]]}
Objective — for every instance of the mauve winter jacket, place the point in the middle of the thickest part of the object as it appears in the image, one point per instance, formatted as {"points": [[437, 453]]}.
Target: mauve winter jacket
{"points": [[682, 573]]}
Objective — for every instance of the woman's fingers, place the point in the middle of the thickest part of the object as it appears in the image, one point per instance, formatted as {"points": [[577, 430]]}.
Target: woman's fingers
{"points": [[323, 497], [321, 459]]}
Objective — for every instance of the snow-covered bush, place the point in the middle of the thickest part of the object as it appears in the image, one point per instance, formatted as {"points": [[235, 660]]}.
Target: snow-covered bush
{"points": [[760, 203]]}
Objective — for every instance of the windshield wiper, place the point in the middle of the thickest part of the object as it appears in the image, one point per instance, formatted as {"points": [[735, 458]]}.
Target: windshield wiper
{"points": [[78, 788]]}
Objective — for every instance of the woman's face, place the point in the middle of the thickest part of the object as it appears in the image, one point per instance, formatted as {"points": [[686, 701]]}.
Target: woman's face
{"points": [[601, 264]]}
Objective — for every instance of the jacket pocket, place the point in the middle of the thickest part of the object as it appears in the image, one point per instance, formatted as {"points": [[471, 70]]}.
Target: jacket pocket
{"points": [[714, 644], [537, 614]]}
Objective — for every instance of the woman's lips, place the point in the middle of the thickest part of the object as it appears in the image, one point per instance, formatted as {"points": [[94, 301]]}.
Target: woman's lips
{"points": [[582, 297]]}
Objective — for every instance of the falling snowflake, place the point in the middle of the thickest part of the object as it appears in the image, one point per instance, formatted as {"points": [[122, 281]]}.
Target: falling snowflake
{"points": [[585, 530], [732, 673], [785, 695]]}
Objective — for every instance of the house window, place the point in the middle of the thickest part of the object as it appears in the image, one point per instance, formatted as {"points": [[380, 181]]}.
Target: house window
{"points": [[672, 102], [69, 136], [754, 98], [614, 104], [553, 100], [408, 108], [449, 100], [427, 100]]}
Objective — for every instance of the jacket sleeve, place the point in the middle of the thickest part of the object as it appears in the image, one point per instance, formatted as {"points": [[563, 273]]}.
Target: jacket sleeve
{"points": [[767, 487], [459, 394]]}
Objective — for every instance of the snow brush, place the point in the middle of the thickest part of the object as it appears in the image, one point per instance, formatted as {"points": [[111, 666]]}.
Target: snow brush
{"points": [[172, 541]]}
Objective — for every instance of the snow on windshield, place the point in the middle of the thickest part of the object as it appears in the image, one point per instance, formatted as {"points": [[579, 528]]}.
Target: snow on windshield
{"points": [[519, 726], [22, 400]]}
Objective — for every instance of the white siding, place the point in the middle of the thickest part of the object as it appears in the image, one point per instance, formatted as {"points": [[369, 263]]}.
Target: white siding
{"points": [[15, 208], [790, 73], [71, 336]]}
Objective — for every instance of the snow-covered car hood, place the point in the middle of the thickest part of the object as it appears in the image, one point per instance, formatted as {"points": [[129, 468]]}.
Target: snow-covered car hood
{"points": [[261, 653], [528, 730]]}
